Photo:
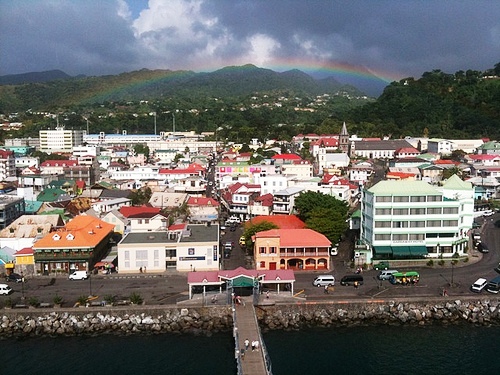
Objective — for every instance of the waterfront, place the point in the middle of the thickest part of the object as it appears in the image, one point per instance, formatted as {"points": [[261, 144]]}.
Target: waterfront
{"points": [[433, 349]]}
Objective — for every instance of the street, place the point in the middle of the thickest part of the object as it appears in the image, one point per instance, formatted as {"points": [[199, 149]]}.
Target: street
{"points": [[171, 287]]}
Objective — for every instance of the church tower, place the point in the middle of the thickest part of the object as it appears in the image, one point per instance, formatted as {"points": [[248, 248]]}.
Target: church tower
{"points": [[344, 139]]}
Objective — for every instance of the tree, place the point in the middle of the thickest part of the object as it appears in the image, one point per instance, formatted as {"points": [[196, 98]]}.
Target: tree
{"points": [[140, 148], [252, 229], [141, 196], [323, 213]]}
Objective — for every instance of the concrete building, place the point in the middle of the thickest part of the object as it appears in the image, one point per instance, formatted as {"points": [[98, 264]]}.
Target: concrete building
{"points": [[412, 219], [182, 247], [11, 207], [7, 165], [60, 140]]}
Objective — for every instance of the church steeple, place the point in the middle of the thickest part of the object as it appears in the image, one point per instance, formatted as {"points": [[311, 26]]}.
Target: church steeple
{"points": [[344, 139]]}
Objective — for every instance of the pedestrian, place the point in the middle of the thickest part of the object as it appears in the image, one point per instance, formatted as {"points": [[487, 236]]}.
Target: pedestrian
{"points": [[256, 345], [253, 345], [144, 269], [356, 284], [247, 344], [267, 294], [140, 270], [326, 289], [242, 354]]}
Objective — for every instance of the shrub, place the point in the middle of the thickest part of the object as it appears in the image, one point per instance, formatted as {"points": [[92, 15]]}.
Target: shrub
{"points": [[430, 263], [110, 299], [441, 262], [33, 301], [57, 299], [8, 302], [135, 298], [82, 300]]}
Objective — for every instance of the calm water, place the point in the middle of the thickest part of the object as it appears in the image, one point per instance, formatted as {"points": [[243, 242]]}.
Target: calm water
{"points": [[360, 350]]}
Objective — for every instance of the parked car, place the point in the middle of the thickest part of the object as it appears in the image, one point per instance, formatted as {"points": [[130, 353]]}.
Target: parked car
{"points": [[482, 248], [479, 285], [5, 289], [497, 268], [381, 266], [14, 277], [79, 275]]}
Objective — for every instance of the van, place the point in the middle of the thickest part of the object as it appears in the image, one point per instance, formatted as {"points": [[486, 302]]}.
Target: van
{"points": [[351, 279], [494, 285], [5, 289], [386, 274], [324, 280], [79, 275], [479, 285]]}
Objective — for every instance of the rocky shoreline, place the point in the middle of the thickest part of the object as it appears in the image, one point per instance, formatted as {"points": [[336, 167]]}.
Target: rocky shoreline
{"points": [[207, 320], [280, 317]]}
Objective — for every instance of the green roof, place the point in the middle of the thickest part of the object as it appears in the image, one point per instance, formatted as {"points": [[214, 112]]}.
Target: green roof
{"points": [[403, 187], [456, 183], [356, 214]]}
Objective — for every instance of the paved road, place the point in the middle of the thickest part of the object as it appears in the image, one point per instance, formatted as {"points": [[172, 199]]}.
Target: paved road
{"points": [[171, 287]]}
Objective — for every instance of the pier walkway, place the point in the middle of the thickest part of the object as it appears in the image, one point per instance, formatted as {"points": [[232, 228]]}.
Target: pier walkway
{"points": [[246, 327]]}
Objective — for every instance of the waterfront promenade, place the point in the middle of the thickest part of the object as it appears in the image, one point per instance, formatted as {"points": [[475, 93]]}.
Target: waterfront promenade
{"points": [[252, 361]]}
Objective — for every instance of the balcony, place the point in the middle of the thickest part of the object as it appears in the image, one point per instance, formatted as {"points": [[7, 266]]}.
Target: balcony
{"points": [[301, 254]]}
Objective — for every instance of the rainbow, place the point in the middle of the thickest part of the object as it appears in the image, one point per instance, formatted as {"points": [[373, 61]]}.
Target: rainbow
{"points": [[338, 69]]}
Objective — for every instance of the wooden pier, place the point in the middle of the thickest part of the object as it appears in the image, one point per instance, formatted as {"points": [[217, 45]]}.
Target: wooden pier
{"points": [[246, 327]]}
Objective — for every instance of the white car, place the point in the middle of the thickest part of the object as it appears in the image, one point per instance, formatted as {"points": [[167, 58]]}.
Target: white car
{"points": [[79, 275], [5, 289]]}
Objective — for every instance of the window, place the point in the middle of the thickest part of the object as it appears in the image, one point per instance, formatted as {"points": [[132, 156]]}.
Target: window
{"points": [[170, 253], [418, 198], [417, 211], [383, 199], [382, 237], [382, 211], [433, 223], [401, 199], [434, 211], [400, 211], [399, 237], [417, 237], [434, 198], [262, 250], [127, 255], [400, 224], [156, 254], [417, 224], [450, 223], [450, 210], [382, 224], [272, 250]]}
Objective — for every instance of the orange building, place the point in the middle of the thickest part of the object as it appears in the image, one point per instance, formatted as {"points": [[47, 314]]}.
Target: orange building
{"points": [[296, 249], [82, 242]]}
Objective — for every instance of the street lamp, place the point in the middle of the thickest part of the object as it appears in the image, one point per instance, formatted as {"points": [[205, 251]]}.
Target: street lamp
{"points": [[22, 285], [90, 284]]}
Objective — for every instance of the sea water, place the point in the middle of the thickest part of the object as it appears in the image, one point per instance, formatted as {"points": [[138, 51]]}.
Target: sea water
{"points": [[407, 350]]}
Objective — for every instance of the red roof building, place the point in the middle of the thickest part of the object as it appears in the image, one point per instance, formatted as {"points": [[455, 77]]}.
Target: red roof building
{"points": [[296, 249]]}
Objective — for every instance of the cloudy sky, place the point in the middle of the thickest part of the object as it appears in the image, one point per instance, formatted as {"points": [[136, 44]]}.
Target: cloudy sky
{"points": [[392, 38]]}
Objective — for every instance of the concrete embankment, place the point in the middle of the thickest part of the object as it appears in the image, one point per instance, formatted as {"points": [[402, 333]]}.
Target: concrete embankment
{"points": [[205, 320]]}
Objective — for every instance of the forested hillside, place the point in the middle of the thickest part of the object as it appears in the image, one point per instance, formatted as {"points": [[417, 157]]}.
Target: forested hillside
{"points": [[248, 102]]}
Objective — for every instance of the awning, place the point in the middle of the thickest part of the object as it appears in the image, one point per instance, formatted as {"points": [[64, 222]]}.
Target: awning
{"points": [[401, 251], [418, 250], [383, 250]]}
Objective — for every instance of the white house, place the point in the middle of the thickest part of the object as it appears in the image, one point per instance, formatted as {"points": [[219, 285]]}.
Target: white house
{"points": [[182, 247]]}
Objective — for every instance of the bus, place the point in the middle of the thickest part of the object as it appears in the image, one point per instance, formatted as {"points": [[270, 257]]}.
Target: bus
{"points": [[405, 278]]}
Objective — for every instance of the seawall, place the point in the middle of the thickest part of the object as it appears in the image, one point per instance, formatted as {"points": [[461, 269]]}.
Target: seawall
{"points": [[483, 311], [205, 320]]}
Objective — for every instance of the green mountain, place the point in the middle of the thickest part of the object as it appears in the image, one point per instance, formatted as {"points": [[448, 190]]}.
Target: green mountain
{"points": [[156, 84]]}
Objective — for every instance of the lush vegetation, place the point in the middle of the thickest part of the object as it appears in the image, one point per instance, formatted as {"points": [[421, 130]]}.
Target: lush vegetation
{"points": [[242, 103], [323, 213]]}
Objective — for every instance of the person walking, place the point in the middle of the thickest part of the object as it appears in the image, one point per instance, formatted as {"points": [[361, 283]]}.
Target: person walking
{"points": [[326, 289], [247, 344]]}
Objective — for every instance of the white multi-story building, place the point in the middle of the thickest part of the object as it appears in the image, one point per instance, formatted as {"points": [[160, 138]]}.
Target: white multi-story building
{"points": [[60, 140], [7, 165], [410, 219]]}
